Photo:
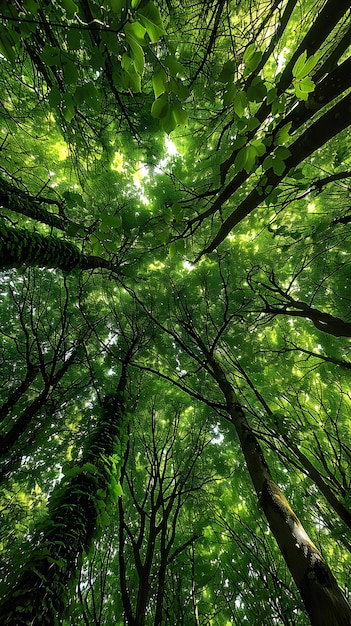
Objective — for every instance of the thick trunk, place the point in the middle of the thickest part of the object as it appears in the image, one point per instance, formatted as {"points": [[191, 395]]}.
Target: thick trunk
{"points": [[39, 596], [14, 199], [324, 601], [20, 247]]}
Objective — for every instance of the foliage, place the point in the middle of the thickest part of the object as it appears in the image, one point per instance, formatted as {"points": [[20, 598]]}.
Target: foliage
{"points": [[174, 244]]}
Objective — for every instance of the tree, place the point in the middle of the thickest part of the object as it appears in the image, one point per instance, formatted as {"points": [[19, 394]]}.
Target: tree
{"points": [[174, 199]]}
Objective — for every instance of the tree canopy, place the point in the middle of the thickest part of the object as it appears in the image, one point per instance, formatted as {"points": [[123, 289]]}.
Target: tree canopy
{"points": [[175, 306]]}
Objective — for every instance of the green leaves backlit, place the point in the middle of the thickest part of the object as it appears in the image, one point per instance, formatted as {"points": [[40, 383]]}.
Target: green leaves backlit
{"points": [[251, 59], [247, 157], [150, 18], [303, 84]]}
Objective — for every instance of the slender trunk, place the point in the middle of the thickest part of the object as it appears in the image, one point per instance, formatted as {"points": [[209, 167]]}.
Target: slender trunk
{"points": [[39, 596], [323, 599], [20, 425], [161, 577], [325, 128], [144, 573], [8, 405], [310, 470], [315, 475], [127, 607], [325, 322]]}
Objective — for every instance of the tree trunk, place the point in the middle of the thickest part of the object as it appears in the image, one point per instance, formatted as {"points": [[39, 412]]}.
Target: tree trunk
{"points": [[15, 199], [323, 599], [75, 507], [325, 128], [21, 247], [15, 395], [9, 439]]}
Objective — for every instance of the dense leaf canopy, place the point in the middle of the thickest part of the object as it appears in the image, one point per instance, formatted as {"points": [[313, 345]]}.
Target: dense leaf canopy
{"points": [[175, 306]]}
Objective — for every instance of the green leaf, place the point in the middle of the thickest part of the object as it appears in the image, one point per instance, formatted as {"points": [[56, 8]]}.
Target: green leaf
{"points": [[136, 31], [134, 80], [257, 91], [70, 72], [118, 6], [282, 153], [160, 107], [172, 250], [68, 108], [177, 212], [51, 56], [150, 17], [160, 82], [31, 6], [282, 135], [303, 88], [297, 70], [54, 97], [179, 89], [111, 246], [253, 62], [271, 95], [240, 103], [168, 215], [73, 199], [115, 221], [173, 65], [278, 105], [278, 167], [137, 54], [249, 52], [229, 94], [253, 123], [304, 66], [168, 122], [90, 468], [267, 163], [103, 518], [180, 114], [239, 142], [73, 39], [7, 45], [272, 199], [227, 73], [258, 146], [246, 158], [70, 7]]}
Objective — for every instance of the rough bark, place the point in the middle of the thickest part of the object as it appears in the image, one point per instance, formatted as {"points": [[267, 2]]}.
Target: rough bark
{"points": [[39, 596], [15, 199], [19, 247]]}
